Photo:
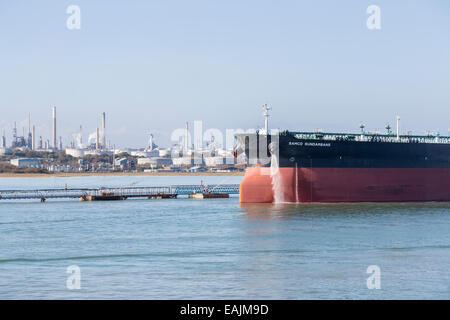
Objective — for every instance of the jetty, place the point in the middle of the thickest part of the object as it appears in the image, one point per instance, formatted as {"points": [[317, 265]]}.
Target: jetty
{"points": [[123, 193]]}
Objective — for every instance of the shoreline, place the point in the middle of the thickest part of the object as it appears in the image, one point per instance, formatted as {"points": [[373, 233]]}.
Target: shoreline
{"points": [[93, 174]]}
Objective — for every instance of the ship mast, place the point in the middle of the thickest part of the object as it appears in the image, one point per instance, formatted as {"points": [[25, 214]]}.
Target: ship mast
{"points": [[266, 109]]}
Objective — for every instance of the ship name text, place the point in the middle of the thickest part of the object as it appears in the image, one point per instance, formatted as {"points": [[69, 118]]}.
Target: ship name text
{"points": [[309, 144]]}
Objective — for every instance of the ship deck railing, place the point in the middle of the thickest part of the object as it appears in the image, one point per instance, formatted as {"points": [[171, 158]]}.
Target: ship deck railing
{"points": [[369, 137]]}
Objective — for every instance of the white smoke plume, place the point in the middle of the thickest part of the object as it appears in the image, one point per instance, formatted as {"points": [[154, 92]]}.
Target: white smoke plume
{"points": [[92, 137], [77, 138]]}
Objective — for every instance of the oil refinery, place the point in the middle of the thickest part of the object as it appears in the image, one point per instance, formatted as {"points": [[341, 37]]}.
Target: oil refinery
{"points": [[33, 151]]}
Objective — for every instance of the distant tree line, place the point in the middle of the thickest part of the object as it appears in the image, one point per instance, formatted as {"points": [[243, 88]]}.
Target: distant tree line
{"points": [[9, 168]]}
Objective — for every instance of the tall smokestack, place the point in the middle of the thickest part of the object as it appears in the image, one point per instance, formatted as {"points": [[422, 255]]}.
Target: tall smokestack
{"points": [[3, 140], [186, 138], [96, 140], [33, 139], [15, 132], [30, 136], [55, 144], [103, 130]]}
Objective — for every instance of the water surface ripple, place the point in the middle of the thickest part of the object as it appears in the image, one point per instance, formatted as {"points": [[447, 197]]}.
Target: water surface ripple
{"points": [[217, 248]]}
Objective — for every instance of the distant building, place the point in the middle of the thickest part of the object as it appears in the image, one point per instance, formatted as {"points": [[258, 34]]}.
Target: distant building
{"points": [[80, 153], [218, 161], [184, 161], [93, 152], [18, 142], [121, 162], [165, 152], [76, 153], [145, 153], [197, 169], [123, 150], [87, 152], [154, 161], [5, 151], [25, 162]]}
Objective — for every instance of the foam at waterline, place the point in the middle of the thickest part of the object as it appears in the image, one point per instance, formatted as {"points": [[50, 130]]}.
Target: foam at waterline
{"points": [[277, 183]]}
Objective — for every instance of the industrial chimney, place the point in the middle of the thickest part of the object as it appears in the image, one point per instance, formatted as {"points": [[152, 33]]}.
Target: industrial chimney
{"points": [[33, 139], [30, 136], [186, 138], [55, 145], [103, 131], [96, 140]]}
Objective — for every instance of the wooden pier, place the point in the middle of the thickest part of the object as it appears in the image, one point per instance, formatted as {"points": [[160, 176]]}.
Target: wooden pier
{"points": [[110, 194]]}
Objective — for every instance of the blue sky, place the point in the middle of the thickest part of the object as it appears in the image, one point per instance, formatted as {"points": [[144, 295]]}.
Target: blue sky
{"points": [[152, 65]]}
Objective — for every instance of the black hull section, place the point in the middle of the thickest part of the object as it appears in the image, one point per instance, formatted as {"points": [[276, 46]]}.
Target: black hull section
{"points": [[318, 153]]}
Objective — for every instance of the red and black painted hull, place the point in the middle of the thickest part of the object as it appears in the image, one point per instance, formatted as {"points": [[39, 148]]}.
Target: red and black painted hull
{"points": [[350, 171], [348, 185]]}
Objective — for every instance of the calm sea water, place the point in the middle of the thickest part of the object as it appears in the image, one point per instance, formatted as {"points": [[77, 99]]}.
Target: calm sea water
{"points": [[217, 248]]}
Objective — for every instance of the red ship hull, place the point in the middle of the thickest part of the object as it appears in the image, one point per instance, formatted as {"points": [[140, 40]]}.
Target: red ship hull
{"points": [[347, 185]]}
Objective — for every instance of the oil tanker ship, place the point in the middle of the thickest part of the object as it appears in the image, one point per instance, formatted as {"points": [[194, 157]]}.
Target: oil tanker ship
{"points": [[344, 167]]}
